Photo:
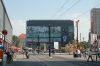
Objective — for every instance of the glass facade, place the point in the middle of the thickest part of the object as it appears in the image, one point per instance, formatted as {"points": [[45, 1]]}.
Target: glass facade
{"points": [[33, 32], [49, 31]]}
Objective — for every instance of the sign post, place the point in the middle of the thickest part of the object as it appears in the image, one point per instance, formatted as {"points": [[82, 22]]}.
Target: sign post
{"points": [[4, 32]]}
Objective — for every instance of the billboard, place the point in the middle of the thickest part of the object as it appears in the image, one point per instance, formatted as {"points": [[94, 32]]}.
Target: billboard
{"points": [[56, 45]]}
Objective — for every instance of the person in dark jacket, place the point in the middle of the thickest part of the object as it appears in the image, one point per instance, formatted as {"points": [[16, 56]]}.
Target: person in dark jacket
{"points": [[89, 55], [27, 54], [8, 57]]}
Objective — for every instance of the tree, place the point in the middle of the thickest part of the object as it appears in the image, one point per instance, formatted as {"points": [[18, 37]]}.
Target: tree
{"points": [[85, 44], [15, 40]]}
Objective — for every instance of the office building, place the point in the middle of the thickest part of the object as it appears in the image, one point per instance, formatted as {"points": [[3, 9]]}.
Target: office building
{"points": [[95, 21], [5, 24], [40, 32]]}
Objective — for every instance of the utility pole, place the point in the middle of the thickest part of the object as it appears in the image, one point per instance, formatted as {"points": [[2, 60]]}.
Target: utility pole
{"points": [[80, 37], [77, 30]]}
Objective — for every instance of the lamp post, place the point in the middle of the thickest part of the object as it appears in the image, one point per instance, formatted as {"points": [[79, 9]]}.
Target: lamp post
{"points": [[49, 42], [38, 43], [4, 32]]}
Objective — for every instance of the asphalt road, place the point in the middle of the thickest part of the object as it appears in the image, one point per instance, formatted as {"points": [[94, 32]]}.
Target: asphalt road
{"points": [[44, 60]]}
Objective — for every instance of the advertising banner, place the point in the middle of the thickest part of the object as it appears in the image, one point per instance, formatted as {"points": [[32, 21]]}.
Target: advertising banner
{"points": [[56, 45]]}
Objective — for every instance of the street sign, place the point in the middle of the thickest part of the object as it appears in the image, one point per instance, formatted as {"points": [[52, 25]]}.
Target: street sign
{"points": [[4, 32]]}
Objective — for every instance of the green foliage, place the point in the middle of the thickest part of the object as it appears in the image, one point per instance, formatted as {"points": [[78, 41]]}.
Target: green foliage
{"points": [[15, 40], [62, 49], [85, 44]]}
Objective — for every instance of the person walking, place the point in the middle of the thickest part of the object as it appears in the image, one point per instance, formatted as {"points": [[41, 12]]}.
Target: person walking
{"points": [[8, 56], [27, 54], [90, 55]]}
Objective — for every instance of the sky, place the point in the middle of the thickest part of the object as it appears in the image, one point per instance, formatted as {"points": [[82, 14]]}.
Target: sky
{"points": [[19, 11]]}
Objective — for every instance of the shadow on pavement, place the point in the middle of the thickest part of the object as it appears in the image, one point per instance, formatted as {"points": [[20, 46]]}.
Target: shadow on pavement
{"points": [[54, 63]]}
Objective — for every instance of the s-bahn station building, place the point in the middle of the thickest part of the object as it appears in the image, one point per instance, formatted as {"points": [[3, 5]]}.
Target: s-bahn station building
{"points": [[5, 24], [40, 32]]}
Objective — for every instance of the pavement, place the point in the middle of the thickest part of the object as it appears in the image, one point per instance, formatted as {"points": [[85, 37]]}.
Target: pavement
{"points": [[70, 57], [62, 55], [56, 60]]}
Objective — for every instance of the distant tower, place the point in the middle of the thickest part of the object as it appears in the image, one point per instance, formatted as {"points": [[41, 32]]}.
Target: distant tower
{"points": [[95, 21]]}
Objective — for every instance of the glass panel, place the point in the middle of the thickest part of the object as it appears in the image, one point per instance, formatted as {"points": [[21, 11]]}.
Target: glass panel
{"points": [[43, 33], [70, 28], [55, 31], [44, 40], [55, 39]]}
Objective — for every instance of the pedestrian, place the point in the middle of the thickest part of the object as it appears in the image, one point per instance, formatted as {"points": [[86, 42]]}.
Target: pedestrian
{"points": [[89, 55], [85, 54], [75, 54], [79, 53], [27, 54], [12, 54], [8, 56]]}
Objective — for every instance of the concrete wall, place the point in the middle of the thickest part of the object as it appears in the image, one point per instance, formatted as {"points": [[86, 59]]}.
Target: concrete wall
{"points": [[1, 16]]}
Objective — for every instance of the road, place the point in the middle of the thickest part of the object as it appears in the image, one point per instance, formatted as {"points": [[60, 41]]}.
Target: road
{"points": [[44, 60]]}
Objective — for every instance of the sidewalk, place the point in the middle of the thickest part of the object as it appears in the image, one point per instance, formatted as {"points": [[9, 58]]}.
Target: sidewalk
{"points": [[70, 57], [19, 56], [63, 55]]}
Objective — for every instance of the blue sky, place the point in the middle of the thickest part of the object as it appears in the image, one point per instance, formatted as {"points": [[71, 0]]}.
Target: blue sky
{"points": [[21, 10]]}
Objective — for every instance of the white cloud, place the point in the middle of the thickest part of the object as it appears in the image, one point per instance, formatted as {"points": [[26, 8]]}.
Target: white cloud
{"points": [[19, 26]]}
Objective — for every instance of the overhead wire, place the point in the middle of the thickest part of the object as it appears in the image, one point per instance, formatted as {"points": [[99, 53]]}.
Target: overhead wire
{"points": [[85, 12], [70, 8], [60, 8]]}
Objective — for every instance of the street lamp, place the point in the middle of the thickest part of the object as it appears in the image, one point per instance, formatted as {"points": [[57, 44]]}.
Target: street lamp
{"points": [[38, 43], [49, 42]]}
